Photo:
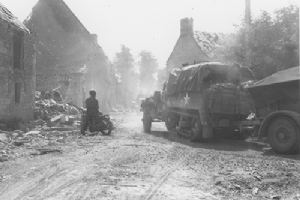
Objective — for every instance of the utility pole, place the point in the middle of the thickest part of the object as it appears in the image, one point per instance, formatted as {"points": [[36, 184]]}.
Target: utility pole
{"points": [[247, 29]]}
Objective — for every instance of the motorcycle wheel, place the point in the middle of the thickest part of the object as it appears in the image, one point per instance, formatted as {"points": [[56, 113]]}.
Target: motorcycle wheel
{"points": [[83, 124], [109, 128]]}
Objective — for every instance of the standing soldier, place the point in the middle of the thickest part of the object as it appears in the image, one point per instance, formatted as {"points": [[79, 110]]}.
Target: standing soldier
{"points": [[92, 110]]}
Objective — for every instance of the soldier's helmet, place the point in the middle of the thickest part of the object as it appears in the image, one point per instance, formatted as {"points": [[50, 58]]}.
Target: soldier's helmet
{"points": [[93, 93]]}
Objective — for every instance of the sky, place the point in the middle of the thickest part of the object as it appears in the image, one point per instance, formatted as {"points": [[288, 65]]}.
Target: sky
{"points": [[152, 25]]}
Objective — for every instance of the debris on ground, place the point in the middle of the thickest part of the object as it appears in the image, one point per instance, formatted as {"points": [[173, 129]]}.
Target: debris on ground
{"points": [[254, 181], [138, 165], [54, 112], [54, 122], [43, 151], [17, 143]]}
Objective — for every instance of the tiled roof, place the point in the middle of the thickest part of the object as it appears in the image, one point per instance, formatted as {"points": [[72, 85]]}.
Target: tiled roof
{"points": [[6, 15], [206, 41]]}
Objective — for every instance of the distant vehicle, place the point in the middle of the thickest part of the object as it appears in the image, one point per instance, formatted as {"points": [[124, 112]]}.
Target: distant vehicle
{"points": [[199, 100], [277, 108]]}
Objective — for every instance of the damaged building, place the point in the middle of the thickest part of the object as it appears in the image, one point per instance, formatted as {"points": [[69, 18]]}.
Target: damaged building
{"points": [[100, 77], [69, 58], [17, 69]]}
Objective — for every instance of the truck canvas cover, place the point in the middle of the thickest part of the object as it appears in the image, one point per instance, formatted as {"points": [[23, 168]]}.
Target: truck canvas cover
{"points": [[282, 86], [195, 78], [216, 85]]}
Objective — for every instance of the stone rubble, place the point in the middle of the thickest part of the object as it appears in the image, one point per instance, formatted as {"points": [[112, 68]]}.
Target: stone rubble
{"points": [[54, 122]]}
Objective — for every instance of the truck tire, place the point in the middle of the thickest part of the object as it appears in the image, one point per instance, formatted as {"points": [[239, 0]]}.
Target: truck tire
{"points": [[196, 132], [147, 123], [283, 135]]}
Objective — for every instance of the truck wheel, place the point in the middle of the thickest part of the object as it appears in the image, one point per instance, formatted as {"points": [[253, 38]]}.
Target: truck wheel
{"points": [[147, 122], [196, 132], [171, 122], [283, 135]]}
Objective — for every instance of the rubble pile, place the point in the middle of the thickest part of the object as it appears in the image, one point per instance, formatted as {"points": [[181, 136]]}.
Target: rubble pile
{"points": [[53, 111], [54, 122]]}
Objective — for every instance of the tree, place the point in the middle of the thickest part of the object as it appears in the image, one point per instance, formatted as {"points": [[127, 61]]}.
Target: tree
{"points": [[148, 68], [124, 65], [273, 42], [124, 61]]}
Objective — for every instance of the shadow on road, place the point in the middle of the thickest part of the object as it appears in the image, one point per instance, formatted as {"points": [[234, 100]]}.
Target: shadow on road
{"points": [[217, 144], [269, 152], [234, 145]]}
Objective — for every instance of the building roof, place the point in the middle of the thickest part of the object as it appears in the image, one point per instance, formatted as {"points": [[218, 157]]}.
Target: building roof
{"points": [[7, 16], [206, 41], [56, 28], [64, 15]]}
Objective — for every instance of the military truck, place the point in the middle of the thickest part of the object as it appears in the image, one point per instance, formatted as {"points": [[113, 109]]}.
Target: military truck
{"points": [[203, 98], [199, 100], [277, 109]]}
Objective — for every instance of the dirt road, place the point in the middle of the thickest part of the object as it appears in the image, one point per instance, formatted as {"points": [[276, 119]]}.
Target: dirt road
{"points": [[137, 166]]}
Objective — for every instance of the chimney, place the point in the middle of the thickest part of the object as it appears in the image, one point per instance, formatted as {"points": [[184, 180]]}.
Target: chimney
{"points": [[186, 26], [247, 12]]}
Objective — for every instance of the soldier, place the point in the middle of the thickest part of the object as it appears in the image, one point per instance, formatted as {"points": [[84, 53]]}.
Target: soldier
{"points": [[92, 110]]}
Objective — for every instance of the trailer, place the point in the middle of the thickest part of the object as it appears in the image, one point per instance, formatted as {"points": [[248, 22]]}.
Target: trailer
{"points": [[277, 109]]}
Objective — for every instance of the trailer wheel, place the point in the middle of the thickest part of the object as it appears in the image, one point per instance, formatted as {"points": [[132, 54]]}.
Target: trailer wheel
{"points": [[147, 123], [283, 135], [83, 124]]}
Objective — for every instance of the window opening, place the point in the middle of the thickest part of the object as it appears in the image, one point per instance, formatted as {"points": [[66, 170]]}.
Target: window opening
{"points": [[17, 93], [18, 49]]}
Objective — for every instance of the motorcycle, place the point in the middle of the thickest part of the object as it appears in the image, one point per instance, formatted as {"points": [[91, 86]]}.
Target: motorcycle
{"points": [[101, 123]]}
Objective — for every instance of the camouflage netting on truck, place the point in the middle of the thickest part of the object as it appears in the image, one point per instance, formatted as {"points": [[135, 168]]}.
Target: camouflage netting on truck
{"points": [[219, 86], [196, 78]]}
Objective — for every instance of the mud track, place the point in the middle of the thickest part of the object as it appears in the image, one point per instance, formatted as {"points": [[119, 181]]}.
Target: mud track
{"points": [[133, 165]]}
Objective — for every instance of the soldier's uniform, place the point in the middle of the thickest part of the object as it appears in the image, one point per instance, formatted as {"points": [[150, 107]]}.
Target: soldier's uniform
{"points": [[92, 111]]}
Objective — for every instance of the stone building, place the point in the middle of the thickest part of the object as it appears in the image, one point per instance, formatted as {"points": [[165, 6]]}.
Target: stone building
{"points": [[17, 69], [69, 58], [192, 46]]}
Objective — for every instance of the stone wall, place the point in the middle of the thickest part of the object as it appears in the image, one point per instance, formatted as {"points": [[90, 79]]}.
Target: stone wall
{"points": [[17, 86]]}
